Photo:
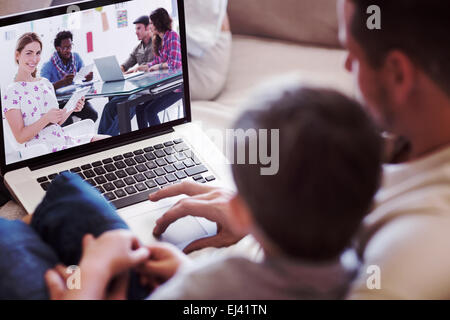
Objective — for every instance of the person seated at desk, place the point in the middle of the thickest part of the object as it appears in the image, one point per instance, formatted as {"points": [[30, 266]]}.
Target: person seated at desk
{"points": [[30, 104], [167, 48], [61, 69], [142, 54]]}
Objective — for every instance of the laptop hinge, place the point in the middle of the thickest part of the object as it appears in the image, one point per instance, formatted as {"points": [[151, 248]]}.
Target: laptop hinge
{"points": [[100, 149]]}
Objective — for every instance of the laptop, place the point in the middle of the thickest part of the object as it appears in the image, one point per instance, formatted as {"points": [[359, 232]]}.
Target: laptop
{"points": [[125, 168], [109, 70]]}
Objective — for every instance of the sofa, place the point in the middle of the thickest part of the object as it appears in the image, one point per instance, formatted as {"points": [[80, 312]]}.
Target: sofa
{"points": [[270, 39]]}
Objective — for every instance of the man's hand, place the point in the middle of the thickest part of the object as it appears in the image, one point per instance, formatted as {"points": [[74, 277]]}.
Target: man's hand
{"points": [[67, 80], [104, 267], [208, 202], [165, 260], [89, 77]]}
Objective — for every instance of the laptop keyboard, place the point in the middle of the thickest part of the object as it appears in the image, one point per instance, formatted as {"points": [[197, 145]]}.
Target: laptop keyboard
{"points": [[129, 178]]}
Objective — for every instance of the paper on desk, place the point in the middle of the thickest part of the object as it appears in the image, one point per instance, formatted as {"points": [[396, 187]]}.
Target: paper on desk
{"points": [[76, 96], [81, 75]]}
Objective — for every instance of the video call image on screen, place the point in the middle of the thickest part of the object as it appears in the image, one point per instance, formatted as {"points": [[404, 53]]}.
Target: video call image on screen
{"points": [[90, 75]]}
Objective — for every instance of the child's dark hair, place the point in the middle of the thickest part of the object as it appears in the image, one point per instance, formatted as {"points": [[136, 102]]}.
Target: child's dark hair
{"points": [[329, 170]]}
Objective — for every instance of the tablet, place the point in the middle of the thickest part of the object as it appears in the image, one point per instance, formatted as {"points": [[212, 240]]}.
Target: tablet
{"points": [[76, 96]]}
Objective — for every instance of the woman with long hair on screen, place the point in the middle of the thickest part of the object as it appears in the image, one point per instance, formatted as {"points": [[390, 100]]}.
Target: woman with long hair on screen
{"points": [[167, 50], [30, 104]]}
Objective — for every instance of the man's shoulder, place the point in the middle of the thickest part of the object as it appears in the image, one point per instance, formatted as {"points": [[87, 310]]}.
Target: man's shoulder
{"points": [[410, 256]]}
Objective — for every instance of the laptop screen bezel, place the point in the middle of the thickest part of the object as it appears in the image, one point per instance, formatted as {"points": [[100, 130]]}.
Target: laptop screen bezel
{"points": [[110, 143]]}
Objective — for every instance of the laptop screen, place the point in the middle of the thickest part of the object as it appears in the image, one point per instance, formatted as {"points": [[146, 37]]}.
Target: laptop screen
{"points": [[90, 76]]}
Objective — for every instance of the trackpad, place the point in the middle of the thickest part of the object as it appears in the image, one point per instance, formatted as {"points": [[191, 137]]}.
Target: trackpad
{"points": [[183, 232]]}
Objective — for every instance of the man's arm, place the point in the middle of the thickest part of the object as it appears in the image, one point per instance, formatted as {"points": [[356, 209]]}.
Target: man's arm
{"points": [[131, 62]]}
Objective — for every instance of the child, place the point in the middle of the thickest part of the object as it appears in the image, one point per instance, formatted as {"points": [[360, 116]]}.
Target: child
{"points": [[304, 217]]}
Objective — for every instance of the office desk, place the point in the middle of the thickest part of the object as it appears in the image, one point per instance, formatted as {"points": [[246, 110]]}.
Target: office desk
{"points": [[148, 86]]}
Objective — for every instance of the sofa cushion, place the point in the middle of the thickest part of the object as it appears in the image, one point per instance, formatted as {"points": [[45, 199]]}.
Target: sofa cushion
{"points": [[256, 60], [307, 21]]}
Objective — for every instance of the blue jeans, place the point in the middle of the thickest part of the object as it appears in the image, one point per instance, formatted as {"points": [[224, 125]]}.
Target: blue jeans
{"points": [[152, 108], [70, 210], [109, 122]]}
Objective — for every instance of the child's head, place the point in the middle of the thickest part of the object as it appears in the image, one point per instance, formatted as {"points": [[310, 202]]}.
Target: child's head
{"points": [[329, 170]]}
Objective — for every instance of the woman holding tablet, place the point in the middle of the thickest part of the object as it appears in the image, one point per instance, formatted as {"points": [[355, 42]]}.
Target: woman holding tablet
{"points": [[30, 104]]}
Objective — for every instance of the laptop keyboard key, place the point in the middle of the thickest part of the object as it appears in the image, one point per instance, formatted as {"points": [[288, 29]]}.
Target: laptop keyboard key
{"points": [[119, 184], [42, 179], [169, 169], [130, 162], [188, 163], [169, 150], [160, 172], [180, 156], [130, 190], [140, 187], [195, 170], [150, 175], [121, 174], [141, 168], [97, 164], [160, 153], [128, 155], [86, 167], [179, 166], [131, 171], [99, 170], [140, 159], [139, 177], [168, 144], [151, 184], [151, 165], [45, 186], [171, 178], [75, 170], [120, 193], [171, 159], [159, 146], [161, 181], [110, 177], [110, 168], [89, 174], [100, 180], [129, 181], [120, 165], [138, 152], [178, 141], [161, 162], [91, 182], [52, 176], [149, 149], [109, 186], [210, 178], [133, 199], [110, 196], [149, 156], [197, 177], [118, 158], [180, 175], [81, 175], [107, 161]]}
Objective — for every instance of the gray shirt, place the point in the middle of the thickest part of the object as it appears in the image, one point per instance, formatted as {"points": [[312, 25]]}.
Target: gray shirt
{"points": [[273, 279], [140, 55]]}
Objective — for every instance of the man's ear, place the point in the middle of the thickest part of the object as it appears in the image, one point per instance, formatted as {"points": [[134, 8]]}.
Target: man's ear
{"points": [[241, 216], [400, 76]]}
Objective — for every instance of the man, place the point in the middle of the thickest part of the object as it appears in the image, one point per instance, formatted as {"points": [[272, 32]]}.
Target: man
{"points": [[403, 75], [142, 54], [61, 69]]}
